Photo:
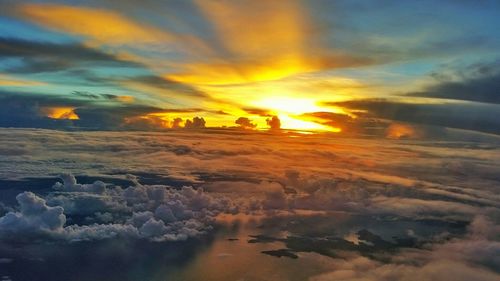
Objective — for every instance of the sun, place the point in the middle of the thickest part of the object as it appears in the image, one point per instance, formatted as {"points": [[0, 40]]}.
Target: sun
{"points": [[289, 109], [288, 105]]}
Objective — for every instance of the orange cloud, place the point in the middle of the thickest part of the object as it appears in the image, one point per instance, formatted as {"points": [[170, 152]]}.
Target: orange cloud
{"points": [[261, 41], [59, 112], [402, 131], [99, 24], [125, 99], [220, 72], [103, 26]]}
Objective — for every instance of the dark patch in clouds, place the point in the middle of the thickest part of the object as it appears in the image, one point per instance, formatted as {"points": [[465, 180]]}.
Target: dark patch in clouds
{"points": [[47, 57], [476, 117]]}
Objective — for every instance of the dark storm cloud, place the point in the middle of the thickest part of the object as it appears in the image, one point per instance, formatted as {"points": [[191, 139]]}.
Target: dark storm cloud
{"points": [[481, 88], [469, 116], [47, 57]]}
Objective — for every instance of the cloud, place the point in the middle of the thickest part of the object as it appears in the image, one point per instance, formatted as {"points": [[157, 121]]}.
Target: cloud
{"points": [[164, 83], [258, 111], [469, 258], [402, 131], [479, 89], [469, 116], [155, 212], [335, 120], [93, 96], [196, 123], [274, 123], [424, 217], [34, 217], [88, 111], [70, 185], [26, 110], [276, 46], [365, 269], [89, 22], [245, 123], [48, 57], [7, 80]]}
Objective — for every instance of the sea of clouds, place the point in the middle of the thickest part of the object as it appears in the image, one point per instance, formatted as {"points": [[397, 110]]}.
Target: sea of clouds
{"points": [[199, 176]]}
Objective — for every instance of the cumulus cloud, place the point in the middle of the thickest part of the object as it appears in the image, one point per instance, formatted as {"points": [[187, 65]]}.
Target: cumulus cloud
{"points": [[196, 123], [141, 211], [34, 217], [69, 184], [245, 123], [176, 123], [274, 123]]}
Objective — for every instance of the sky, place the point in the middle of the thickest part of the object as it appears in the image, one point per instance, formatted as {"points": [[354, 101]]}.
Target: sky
{"points": [[255, 140], [347, 67]]}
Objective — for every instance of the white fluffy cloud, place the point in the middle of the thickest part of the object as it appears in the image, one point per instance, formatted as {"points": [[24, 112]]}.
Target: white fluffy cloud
{"points": [[154, 212], [34, 217]]}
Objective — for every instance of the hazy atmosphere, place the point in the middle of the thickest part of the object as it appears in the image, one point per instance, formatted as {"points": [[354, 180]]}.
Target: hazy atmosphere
{"points": [[194, 140]]}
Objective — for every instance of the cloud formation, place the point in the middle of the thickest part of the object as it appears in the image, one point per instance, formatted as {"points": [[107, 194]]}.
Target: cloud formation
{"points": [[413, 208], [48, 57], [152, 212], [76, 20], [481, 87], [274, 123], [245, 123], [475, 117]]}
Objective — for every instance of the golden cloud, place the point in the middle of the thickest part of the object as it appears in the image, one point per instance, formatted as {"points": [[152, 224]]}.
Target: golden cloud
{"points": [[99, 24], [261, 41], [59, 112]]}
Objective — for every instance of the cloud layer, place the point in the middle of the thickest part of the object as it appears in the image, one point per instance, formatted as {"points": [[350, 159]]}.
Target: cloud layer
{"points": [[374, 209]]}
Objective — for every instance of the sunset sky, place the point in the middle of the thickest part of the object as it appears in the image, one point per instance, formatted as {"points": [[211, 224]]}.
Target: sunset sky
{"points": [[338, 66], [249, 140]]}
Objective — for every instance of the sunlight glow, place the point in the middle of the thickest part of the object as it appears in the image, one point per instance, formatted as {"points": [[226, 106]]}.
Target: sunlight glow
{"points": [[288, 105], [289, 122], [60, 113]]}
